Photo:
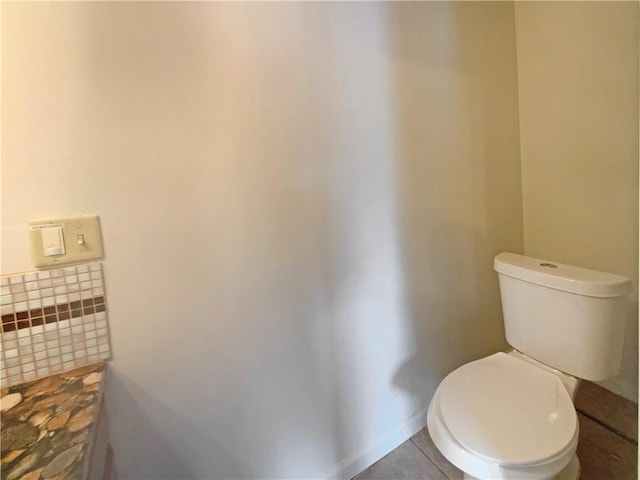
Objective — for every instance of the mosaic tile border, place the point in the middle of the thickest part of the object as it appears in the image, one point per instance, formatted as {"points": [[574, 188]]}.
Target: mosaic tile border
{"points": [[52, 321]]}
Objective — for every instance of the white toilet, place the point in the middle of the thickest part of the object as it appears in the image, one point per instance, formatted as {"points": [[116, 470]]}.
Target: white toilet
{"points": [[511, 415]]}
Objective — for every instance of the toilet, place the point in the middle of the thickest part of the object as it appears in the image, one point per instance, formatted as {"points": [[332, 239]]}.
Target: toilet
{"points": [[511, 415]]}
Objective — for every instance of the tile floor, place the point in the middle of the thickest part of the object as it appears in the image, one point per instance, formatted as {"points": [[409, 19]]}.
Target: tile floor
{"points": [[607, 449]]}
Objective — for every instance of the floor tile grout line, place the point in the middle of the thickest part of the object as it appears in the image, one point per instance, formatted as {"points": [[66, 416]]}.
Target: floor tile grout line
{"points": [[608, 427], [429, 458]]}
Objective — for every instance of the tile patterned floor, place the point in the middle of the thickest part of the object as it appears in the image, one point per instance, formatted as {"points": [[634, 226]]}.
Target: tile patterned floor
{"points": [[607, 449]]}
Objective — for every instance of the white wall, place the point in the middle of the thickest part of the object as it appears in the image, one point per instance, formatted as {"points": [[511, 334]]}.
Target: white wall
{"points": [[578, 86], [300, 205]]}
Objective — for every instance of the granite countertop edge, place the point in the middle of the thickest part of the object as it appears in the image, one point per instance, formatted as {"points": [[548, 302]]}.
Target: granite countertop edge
{"points": [[48, 425]]}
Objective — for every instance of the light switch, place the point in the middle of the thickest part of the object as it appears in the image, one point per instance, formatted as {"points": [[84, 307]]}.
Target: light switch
{"points": [[61, 241], [52, 241]]}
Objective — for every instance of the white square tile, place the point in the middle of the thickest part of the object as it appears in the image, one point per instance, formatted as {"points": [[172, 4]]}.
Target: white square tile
{"points": [[91, 334], [39, 347], [57, 281], [36, 303], [33, 295], [36, 331], [55, 359], [44, 275], [53, 353], [63, 325], [6, 290], [12, 353], [14, 280], [18, 288], [92, 351], [96, 275], [12, 362], [28, 367], [69, 270], [98, 292], [43, 372], [9, 344], [66, 349], [24, 351], [14, 371], [30, 277], [7, 336], [45, 283], [42, 355], [18, 298], [48, 301], [83, 268], [6, 300], [4, 281], [94, 267], [71, 279], [53, 344], [60, 290], [31, 286], [29, 376], [67, 357], [74, 296], [7, 309], [77, 329], [91, 342], [46, 292], [61, 299], [24, 333]]}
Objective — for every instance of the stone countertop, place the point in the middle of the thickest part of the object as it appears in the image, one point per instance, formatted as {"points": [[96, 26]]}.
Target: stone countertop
{"points": [[47, 425]]}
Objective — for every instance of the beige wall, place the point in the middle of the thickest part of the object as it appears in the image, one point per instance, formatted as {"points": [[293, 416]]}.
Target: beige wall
{"points": [[578, 89], [300, 205]]}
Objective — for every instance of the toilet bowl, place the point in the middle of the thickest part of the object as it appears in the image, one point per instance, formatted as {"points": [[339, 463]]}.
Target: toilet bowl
{"points": [[503, 417], [511, 415]]}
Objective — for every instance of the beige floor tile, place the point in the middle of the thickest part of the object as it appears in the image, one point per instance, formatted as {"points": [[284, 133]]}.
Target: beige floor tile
{"points": [[423, 440], [406, 462], [618, 412], [603, 454]]}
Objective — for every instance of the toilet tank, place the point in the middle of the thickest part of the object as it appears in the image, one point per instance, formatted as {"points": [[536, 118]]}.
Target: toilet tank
{"points": [[569, 318]]}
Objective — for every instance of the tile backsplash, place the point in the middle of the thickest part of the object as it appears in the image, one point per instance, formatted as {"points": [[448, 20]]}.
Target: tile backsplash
{"points": [[52, 321]]}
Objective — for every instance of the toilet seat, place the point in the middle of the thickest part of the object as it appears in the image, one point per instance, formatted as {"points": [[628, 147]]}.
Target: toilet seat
{"points": [[508, 411], [501, 417]]}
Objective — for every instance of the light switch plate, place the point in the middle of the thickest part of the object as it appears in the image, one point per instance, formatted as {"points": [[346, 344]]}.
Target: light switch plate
{"points": [[82, 240]]}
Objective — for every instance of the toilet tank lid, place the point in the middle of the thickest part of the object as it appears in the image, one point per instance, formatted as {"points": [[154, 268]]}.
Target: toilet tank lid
{"points": [[562, 277]]}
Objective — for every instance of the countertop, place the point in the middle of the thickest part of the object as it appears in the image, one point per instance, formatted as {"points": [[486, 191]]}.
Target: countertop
{"points": [[47, 425]]}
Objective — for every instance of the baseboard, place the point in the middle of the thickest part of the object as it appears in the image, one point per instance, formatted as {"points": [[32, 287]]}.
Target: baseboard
{"points": [[620, 387], [363, 458]]}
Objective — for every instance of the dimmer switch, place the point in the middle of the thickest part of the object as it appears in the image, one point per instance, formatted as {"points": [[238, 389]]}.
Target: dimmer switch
{"points": [[61, 241], [52, 241]]}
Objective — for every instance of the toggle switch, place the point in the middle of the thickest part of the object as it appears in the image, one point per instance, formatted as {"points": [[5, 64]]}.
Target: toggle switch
{"points": [[80, 239], [52, 241]]}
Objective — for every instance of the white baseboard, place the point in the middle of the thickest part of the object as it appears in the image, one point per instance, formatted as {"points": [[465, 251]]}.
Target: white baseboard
{"points": [[622, 388], [363, 458]]}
